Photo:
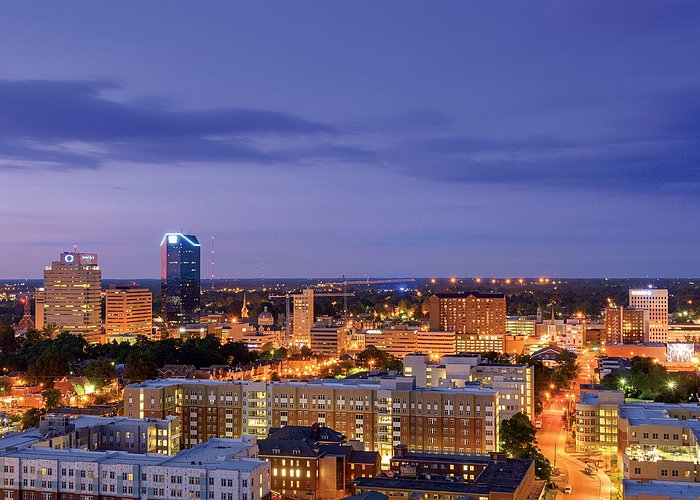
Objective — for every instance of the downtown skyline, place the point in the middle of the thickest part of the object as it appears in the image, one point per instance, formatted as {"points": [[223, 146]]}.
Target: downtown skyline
{"points": [[381, 140]]}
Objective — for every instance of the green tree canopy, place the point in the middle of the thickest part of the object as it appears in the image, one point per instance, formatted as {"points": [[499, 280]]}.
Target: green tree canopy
{"points": [[52, 399], [99, 372], [140, 366], [30, 418], [517, 439]]}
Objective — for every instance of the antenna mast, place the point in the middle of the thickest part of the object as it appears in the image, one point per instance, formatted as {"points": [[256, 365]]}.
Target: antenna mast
{"points": [[212, 263]]}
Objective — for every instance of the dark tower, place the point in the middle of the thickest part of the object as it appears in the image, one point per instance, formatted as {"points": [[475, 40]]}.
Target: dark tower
{"points": [[180, 279]]}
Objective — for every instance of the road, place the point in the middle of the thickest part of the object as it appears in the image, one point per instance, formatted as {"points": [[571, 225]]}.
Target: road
{"points": [[551, 437]]}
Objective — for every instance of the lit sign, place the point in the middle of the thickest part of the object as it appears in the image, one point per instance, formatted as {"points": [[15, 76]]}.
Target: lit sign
{"points": [[647, 293], [680, 352], [83, 259], [172, 238]]}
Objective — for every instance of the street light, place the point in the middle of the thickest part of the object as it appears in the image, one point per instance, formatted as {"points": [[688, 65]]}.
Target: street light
{"points": [[671, 384]]}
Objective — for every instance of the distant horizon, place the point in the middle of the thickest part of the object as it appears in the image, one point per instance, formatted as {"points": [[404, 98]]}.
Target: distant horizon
{"points": [[486, 278]]}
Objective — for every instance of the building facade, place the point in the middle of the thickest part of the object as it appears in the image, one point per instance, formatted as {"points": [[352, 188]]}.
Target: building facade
{"points": [[626, 325], [314, 462], [222, 469], [377, 413], [659, 442], [597, 421], [470, 313], [402, 341], [72, 295], [655, 301], [513, 382], [128, 311], [180, 262], [303, 317], [328, 340]]}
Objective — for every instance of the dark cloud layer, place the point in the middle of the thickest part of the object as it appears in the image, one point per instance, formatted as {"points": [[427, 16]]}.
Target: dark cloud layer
{"points": [[71, 125]]}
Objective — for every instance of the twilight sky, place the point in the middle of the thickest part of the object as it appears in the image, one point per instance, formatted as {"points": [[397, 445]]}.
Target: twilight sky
{"points": [[362, 138]]}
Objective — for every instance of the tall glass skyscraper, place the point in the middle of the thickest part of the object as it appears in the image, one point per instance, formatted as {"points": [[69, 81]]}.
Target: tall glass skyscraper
{"points": [[179, 272]]}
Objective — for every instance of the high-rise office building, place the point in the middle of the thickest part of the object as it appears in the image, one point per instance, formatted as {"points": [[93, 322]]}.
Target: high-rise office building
{"points": [[72, 288], [478, 319], [303, 318], [128, 310], [180, 279], [626, 325], [656, 302]]}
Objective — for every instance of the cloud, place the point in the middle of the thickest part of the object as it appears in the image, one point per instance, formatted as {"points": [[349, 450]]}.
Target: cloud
{"points": [[45, 122], [650, 144], [656, 149]]}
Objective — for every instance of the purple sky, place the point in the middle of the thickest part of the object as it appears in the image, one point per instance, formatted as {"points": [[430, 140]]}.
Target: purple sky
{"points": [[359, 138]]}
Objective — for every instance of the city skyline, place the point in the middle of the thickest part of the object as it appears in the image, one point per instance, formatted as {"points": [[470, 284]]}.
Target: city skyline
{"points": [[327, 140]]}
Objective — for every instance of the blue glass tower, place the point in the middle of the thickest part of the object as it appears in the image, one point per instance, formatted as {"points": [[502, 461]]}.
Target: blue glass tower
{"points": [[180, 278]]}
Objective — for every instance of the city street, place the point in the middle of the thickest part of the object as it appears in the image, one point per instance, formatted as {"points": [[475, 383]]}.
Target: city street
{"points": [[551, 437]]}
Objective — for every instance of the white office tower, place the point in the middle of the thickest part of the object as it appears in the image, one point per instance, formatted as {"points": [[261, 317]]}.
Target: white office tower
{"points": [[656, 302]]}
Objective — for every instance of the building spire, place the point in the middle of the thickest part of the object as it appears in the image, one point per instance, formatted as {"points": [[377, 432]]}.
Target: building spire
{"points": [[244, 309], [26, 323]]}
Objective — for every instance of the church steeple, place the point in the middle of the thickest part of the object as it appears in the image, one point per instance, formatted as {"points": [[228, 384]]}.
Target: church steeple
{"points": [[26, 323], [244, 309]]}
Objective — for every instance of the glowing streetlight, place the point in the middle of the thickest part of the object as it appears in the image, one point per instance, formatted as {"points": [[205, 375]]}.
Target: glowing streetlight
{"points": [[671, 384]]}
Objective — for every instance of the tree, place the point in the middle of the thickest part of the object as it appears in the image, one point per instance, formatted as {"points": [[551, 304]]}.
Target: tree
{"points": [[100, 372], [517, 439], [140, 366], [8, 340], [566, 369], [49, 366], [517, 435], [31, 417], [495, 357], [306, 352], [52, 399]]}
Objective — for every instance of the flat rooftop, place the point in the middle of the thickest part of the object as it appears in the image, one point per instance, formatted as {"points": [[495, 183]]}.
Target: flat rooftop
{"points": [[666, 489], [503, 476], [214, 455]]}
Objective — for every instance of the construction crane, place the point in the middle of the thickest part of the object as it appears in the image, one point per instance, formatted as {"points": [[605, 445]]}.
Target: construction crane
{"points": [[287, 296], [368, 282]]}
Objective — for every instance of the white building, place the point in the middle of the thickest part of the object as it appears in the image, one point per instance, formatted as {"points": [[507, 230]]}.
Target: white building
{"points": [[513, 382], [219, 469]]}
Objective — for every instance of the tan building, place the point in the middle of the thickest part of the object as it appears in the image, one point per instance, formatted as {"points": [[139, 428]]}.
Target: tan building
{"points": [[689, 332], [513, 382], [470, 313], [597, 421], [39, 295], [72, 295], [329, 341], [379, 413], [659, 442], [402, 341], [480, 342], [656, 302], [303, 317], [521, 325], [128, 310], [626, 325]]}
